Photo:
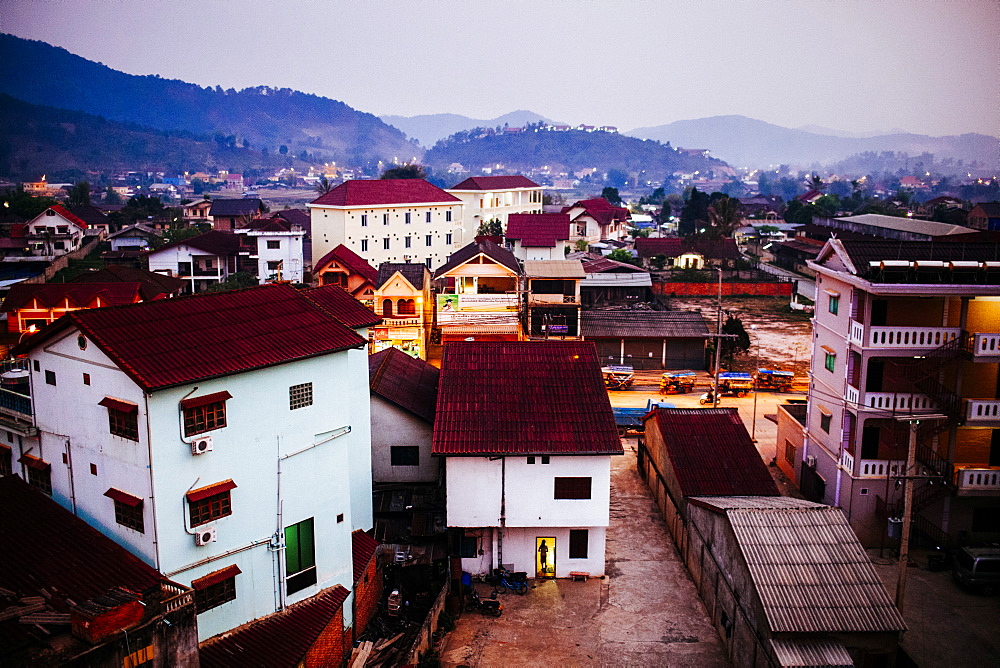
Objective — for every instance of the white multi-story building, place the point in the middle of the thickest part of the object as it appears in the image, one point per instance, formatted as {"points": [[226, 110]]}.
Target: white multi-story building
{"points": [[275, 247], [215, 436], [495, 197], [54, 232], [527, 434], [387, 220], [905, 330]]}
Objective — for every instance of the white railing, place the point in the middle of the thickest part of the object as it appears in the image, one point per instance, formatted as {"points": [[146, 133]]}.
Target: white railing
{"points": [[909, 337], [986, 345], [982, 410], [847, 462], [880, 468], [979, 480], [900, 401], [857, 333], [853, 395]]}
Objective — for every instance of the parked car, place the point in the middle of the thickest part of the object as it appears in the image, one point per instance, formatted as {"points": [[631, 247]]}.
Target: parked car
{"points": [[978, 568]]}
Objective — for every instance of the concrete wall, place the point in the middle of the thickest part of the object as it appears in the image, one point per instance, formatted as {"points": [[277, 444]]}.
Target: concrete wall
{"points": [[711, 289], [394, 426]]}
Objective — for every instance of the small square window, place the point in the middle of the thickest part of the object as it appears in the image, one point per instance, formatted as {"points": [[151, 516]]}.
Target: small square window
{"points": [[829, 361], [404, 455], [50, 377], [300, 396], [273, 265], [210, 508], [864, 491], [531, 460], [124, 423], [41, 479], [273, 244], [545, 459], [86, 379], [93, 469], [129, 516], [340, 517], [215, 595]]}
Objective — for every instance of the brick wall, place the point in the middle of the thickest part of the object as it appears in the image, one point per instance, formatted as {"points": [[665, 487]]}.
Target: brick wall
{"points": [[366, 596], [712, 289], [328, 650]]}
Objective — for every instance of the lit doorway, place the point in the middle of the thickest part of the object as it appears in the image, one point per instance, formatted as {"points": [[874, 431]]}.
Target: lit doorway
{"points": [[545, 557]]}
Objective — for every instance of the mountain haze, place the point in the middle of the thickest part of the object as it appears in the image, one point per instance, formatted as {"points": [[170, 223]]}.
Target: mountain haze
{"points": [[262, 117], [428, 129], [747, 142]]}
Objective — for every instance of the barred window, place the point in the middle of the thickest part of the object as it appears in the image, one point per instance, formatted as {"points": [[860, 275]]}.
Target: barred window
{"points": [[124, 424], [41, 479], [198, 419], [300, 396], [210, 508], [129, 516], [215, 595]]}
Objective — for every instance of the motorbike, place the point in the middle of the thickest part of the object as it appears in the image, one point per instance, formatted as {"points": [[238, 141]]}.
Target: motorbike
{"points": [[502, 580], [490, 606], [706, 398]]}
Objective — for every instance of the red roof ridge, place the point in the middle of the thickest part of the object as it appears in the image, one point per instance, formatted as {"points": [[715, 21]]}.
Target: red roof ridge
{"points": [[374, 192], [69, 215]]}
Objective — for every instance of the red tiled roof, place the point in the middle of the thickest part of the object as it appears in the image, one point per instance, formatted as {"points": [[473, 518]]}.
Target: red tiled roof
{"points": [[171, 342], [408, 382], [69, 215], [342, 306], [349, 259], [47, 547], [79, 295], [527, 397], [280, 640], [153, 285], [538, 230], [495, 183], [602, 265], [600, 210], [711, 452], [216, 242], [363, 549], [360, 192]]}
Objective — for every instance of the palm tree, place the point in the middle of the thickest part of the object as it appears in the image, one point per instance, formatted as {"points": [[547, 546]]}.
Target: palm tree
{"points": [[725, 216], [816, 183], [323, 186]]}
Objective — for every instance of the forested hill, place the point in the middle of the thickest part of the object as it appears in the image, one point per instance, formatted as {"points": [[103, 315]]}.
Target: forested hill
{"points": [[260, 118], [67, 144], [567, 151]]}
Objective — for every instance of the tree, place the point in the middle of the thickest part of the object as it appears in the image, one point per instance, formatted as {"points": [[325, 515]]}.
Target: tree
{"points": [[616, 178], [237, 281], [490, 228], [283, 150], [323, 186], [731, 347], [724, 216], [695, 212], [622, 255], [111, 197], [405, 172], [79, 195], [611, 195], [22, 205], [816, 183]]}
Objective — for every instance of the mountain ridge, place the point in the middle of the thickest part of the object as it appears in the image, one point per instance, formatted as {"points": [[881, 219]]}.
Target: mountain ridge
{"points": [[428, 129]]}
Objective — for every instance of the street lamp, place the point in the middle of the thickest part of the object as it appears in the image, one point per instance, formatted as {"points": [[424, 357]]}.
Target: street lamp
{"points": [[753, 423]]}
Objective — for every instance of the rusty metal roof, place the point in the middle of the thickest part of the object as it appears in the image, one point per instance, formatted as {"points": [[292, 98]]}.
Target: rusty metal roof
{"points": [[808, 652], [620, 323], [711, 452], [810, 571], [363, 549], [408, 382], [280, 640], [169, 342], [527, 397], [343, 306]]}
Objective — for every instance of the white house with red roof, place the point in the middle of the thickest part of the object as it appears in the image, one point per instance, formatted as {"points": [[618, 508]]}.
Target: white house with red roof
{"points": [[594, 220], [495, 197], [202, 261], [527, 434], [223, 438], [54, 232], [538, 236], [387, 220]]}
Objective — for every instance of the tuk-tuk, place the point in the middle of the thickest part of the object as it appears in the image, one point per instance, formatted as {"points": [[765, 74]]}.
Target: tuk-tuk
{"points": [[769, 379], [677, 382], [735, 383], [618, 377]]}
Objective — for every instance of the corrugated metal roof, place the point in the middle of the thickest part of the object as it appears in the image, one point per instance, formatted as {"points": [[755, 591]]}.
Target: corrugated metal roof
{"points": [[928, 227], [604, 265], [79, 295], [608, 279], [249, 206], [723, 503], [862, 253], [806, 652], [170, 342], [342, 306], [153, 284], [408, 382], [811, 573], [621, 323], [47, 547], [554, 269], [279, 640], [414, 273], [363, 549], [528, 397], [711, 452], [215, 242]]}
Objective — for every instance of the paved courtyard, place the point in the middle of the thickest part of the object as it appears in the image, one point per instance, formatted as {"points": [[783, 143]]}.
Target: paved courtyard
{"points": [[646, 612]]}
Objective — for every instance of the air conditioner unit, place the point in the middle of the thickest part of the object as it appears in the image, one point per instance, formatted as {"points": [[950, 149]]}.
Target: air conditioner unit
{"points": [[811, 462], [201, 446], [204, 536]]}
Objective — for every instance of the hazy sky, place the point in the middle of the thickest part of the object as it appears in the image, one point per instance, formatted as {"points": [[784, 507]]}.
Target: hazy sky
{"points": [[926, 66]]}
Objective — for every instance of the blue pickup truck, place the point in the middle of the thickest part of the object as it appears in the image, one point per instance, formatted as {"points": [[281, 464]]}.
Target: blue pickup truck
{"points": [[630, 419]]}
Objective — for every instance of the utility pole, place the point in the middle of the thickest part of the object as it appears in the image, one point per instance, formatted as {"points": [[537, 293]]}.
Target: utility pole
{"points": [[718, 344], [753, 428]]}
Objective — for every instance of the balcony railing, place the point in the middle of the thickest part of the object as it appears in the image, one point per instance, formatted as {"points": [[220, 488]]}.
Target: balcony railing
{"points": [[900, 401], [536, 298], [982, 410], [898, 338], [978, 481], [853, 395], [16, 404], [985, 346], [880, 468], [408, 321], [847, 462]]}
